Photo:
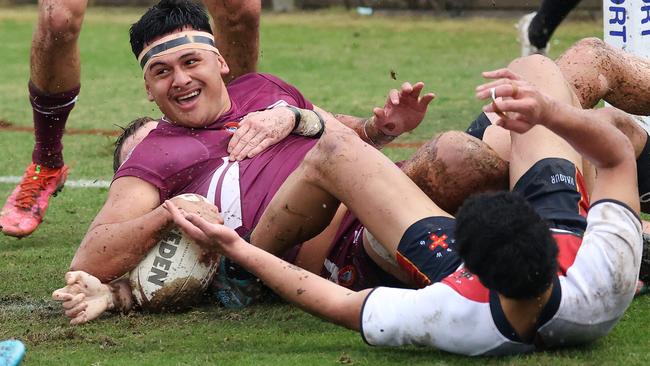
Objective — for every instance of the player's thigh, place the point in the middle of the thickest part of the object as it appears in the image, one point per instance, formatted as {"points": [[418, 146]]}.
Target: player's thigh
{"points": [[368, 183], [546, 76]]}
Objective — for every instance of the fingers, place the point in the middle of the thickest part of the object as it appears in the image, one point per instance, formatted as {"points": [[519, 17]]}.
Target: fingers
{"points": [[512, 114], [201, 224], [75, 300], [81, 318], [72, 304], [514, 124], [407, 90], [251, 141], [73, 277], [220, 235], [393, 96], [182, 222], [411, 93], [501, 73], [504, 88], [61, 295], [522, 106], [244, 141], [426, 99], [258, 148], [75, 310], [241, 131], [380, 113]]}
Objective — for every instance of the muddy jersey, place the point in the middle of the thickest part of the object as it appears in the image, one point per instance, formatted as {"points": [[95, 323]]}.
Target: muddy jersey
{"points": [[179, 160]]}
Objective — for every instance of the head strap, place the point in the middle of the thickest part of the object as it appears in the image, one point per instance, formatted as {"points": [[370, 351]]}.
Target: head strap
{"points": [[176, 42]]}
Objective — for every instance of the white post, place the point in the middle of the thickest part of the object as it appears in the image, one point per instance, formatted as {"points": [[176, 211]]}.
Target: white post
{"points": [[627, 26]]}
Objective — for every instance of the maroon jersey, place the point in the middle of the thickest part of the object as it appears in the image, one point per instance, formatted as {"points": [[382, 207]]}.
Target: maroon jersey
{"points": [[179, 160]]}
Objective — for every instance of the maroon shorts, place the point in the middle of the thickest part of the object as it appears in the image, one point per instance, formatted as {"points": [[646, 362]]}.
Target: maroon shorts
{"points": [[349, 265]]}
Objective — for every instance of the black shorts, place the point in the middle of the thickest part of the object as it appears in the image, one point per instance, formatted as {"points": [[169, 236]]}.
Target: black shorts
{"points": [[427, 250], [478, 126], [556, 190]]}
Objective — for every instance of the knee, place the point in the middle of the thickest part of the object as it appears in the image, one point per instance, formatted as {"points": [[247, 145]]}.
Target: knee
{"points": [[455, 165], [62, 20], [587, 46], [532, 62], [332, 146]]}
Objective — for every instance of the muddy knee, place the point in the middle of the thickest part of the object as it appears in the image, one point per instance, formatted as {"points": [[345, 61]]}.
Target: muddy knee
{"points": [[236, 16], [586, 70], [455, 165], [60, 21], [332, 147]]}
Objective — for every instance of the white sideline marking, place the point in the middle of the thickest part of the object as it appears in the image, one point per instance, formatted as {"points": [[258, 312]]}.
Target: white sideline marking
{"points": [[79, 183]]}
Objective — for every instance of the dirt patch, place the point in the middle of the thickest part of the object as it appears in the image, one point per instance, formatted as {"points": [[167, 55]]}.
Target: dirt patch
{"points": [[55, 334], [177, 295]]}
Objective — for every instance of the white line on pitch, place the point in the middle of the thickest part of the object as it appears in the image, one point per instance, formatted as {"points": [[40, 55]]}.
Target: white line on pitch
{"points": [[79, 183]]}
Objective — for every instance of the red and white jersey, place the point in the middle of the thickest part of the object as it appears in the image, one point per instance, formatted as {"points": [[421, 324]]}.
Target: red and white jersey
{"points": [[596, 280]]}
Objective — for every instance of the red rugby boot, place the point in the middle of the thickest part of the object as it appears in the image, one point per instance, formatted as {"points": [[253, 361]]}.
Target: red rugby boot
{"points": [[26, 206]]}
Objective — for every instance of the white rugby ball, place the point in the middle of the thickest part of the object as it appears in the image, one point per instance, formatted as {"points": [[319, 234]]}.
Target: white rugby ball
{"points": [[173, 275]]}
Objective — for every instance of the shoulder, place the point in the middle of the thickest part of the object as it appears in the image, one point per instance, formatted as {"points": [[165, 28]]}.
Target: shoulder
{"points": [[467, 285], [256, 78], [256, 91], [163, 153]]}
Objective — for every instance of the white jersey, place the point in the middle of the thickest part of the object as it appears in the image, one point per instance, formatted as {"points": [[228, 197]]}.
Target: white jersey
{"points": [[596, 281]]}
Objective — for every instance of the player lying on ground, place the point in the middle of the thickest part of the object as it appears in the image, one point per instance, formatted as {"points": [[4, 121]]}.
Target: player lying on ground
{"points": [[521, 309], [150, 235], [343, 252], [189, 92], [537, 274], [55, 82]]}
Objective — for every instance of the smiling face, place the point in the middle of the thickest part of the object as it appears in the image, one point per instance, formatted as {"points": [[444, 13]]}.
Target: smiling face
{"points": [[187, 86]]}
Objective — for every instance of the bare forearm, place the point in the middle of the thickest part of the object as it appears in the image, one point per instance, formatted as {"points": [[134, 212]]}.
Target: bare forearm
{"points": [[366, 129], [302, 288], [110, 250], [592, 133]]}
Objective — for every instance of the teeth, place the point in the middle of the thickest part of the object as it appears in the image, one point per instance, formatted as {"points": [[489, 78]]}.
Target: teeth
{"points": [[190, 95]]}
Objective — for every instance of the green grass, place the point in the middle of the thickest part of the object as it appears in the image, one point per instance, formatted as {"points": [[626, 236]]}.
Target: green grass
{"points": [[342, 63]]}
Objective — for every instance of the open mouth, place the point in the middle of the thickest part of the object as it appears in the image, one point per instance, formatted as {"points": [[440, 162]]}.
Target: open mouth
{"points": [[188, 98]]}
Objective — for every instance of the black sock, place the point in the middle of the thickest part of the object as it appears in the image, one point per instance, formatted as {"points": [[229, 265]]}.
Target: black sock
{"points": [[234, 270], [643, 176], [549, 16]]}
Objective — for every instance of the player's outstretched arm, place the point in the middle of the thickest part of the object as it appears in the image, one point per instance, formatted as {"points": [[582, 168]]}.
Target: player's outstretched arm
{"points": [[126, 228], [403, 111], [591, 132], [85, 298], [302, 288]]}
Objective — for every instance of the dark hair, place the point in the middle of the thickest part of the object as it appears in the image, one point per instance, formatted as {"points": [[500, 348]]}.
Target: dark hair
{"points": [[166, 17], [126, 132], [506, 244]]}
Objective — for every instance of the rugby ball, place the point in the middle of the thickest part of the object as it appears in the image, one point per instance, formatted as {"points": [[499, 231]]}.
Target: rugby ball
{"points": [[174, 274]]}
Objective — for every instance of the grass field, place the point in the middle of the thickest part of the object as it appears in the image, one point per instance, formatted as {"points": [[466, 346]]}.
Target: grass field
{"points": [[343, 63]]}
